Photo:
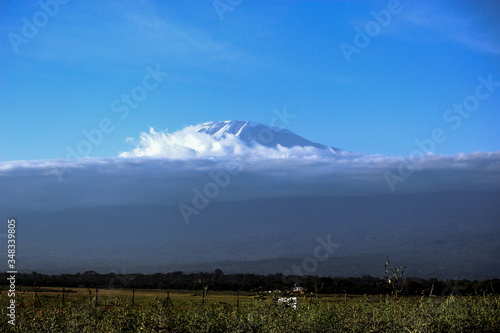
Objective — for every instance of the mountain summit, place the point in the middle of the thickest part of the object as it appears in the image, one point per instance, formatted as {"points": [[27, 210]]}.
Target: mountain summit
{"points": [[226, 138], [256, 133]]}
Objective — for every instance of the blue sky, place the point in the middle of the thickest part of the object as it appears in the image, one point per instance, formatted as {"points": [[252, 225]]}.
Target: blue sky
{"points": [[386, 81], [260, 57]]}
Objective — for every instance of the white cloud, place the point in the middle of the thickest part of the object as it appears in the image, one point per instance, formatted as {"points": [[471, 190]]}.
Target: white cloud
{"points": [[126, 33], [164, 168], [187, 143], [453, 22], [281, 172]]}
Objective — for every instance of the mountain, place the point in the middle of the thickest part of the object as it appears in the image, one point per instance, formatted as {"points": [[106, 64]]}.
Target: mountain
{"points": [[125, 215], [448, 234], [256, 133]]}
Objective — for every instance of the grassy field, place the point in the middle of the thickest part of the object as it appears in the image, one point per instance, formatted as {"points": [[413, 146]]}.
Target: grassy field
{"points": [[115, 310], [141, 297]]}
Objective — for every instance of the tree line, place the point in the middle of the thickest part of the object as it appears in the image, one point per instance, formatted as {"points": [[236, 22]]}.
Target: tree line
{"points": [[219, 281]]}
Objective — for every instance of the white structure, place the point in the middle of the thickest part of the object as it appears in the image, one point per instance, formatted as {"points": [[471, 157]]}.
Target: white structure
{"points": [[292, 302]]}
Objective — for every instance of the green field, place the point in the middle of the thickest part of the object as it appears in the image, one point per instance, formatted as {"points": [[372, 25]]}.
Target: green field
{"points": [[115, 310]]}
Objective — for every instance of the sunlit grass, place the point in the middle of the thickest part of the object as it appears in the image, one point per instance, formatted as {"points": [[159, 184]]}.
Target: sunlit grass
{"points": [[113, 311]]}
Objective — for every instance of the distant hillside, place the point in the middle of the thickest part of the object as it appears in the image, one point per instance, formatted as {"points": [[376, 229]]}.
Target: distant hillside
{"points": [[451, 235]]}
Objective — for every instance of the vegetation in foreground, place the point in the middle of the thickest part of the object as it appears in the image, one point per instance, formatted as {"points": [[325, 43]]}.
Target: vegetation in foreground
{"points": [[93, 304], [149, 313]]}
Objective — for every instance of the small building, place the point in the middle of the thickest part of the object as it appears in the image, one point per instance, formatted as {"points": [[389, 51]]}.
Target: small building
{"points": [[289, 302]]}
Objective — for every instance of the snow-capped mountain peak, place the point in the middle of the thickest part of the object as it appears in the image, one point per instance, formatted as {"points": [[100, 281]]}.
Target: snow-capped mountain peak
{"points": [[226, 138], [256, 133]]}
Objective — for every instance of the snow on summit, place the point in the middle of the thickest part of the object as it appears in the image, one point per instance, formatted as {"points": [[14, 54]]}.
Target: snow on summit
{"points": [[255, 133], [222, 138]]}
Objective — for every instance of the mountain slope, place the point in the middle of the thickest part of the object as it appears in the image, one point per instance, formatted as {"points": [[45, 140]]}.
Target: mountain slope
{"points": [[446, 234], [255, 133]]}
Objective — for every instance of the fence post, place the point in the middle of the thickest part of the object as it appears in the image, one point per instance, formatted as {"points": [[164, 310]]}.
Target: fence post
{"points": [[36, 300]]}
